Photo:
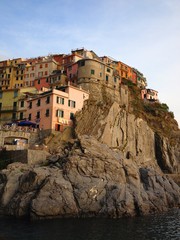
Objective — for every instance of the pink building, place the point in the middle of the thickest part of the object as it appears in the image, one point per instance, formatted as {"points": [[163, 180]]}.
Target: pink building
{"points": [[55, 109], [149, 94]]}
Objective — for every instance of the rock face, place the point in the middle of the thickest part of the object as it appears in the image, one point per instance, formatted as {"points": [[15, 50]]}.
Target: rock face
{"points": [[86, 179], [108, 119], [111, 167], [168, 156]]}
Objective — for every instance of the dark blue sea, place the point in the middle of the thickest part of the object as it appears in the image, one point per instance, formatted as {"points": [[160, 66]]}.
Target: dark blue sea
{"points": [[161, 226]]}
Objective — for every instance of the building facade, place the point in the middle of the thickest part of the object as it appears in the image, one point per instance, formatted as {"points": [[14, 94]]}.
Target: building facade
{"points": [[13, 104], [149, 94], [54, 109], [92, 70]]}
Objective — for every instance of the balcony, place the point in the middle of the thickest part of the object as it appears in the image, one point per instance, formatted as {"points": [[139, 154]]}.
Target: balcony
{"points": [[8, 109], [63, 121]]}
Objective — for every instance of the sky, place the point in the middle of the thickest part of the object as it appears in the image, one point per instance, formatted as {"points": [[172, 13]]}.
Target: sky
{"points": [[144, 34]]}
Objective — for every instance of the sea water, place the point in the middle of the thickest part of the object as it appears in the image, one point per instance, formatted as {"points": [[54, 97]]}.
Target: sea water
{"points": [[158, 226]]}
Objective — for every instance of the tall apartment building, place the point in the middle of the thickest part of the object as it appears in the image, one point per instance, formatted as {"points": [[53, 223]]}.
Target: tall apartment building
{"points": [[54, 109]]}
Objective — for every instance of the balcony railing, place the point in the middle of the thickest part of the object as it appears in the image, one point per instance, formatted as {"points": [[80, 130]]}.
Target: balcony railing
{"points": [[17, 128], [8, 109], [63, 121]]}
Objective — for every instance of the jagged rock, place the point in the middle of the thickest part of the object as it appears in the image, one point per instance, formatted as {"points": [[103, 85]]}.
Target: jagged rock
{"points": [[111, 166], [98, 182], [168, 156]]}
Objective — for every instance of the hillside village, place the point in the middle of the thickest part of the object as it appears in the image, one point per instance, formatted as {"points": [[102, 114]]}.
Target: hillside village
{"points": [[82, 135], [44, 93], [46, 90]]}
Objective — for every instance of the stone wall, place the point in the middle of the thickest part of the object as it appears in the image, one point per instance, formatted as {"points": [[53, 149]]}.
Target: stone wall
{"points": [[24, 156]]}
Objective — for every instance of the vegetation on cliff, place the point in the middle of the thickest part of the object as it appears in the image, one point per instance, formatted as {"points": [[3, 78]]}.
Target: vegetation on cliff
{"points": [[157, 114]]}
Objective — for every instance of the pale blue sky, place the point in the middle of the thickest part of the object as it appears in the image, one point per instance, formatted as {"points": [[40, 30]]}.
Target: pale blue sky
{"points": [[144, 34]]}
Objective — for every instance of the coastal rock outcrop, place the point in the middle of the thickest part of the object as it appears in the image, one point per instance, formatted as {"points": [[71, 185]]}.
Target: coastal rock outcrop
{"points": [[88, 179], [113, 164], [109, 117]]}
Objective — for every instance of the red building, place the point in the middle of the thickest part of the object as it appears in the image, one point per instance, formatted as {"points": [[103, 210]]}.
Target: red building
{"points": [[41, 83]]}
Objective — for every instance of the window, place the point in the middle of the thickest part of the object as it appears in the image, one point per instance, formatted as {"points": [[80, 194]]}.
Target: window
{"points": [[107, 78], [115, 80], [21, 77], [81, 63], [32, 68], [21, 115], [30, 104], [46, 65], [1, 94], [0, 105], [46, 72], [71, 103], [22, 104], [100, 74], [47, 80], [92, 71], [15, 93], [14, 104], [14, 116], [71, 116], [39, 102], [16, 78], [39, 81], [59, 113], [40, 66], [48, 99], [108, 70], [38, 115], [60, 100], [40, 74], [29, 117], [69, 68], [47, 113]]}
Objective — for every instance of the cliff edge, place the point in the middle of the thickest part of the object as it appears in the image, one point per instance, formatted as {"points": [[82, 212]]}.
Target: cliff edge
{"points": [[116, 163]]}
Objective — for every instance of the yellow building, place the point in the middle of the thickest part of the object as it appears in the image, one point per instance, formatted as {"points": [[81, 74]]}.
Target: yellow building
{"points": [[17, 77], [11, 73], [13, 104]]}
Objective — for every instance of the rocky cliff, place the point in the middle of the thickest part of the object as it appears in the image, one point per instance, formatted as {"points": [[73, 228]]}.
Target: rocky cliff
{"points": [[117, 119], [86, 179], [112, 166]]}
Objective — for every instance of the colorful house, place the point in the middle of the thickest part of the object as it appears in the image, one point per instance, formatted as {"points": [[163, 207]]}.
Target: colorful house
{"points": [[11, 73], [54, 109], [29, 75], [13, 104], [149, 94], [93, 70], [141, 80], [72, 73], [57, 77], [45, 67]]}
